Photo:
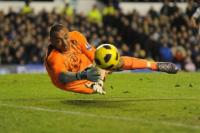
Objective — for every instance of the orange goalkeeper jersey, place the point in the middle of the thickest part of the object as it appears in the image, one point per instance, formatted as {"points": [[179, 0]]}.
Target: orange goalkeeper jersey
{"points": [[79, 56]]}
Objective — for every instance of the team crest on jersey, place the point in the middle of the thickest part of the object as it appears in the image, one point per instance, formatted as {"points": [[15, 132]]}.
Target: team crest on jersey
{"points": [[73, 60], [88, 46]]}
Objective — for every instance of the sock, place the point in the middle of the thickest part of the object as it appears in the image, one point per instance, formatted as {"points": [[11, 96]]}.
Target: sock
{"points": [[130, 63]]}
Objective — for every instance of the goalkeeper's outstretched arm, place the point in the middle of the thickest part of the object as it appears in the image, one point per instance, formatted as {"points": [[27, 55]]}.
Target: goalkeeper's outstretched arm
{"points": [[92, 73]]}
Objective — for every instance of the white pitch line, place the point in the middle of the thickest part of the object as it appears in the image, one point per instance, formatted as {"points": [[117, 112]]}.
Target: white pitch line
{"points": [[108, 117]]}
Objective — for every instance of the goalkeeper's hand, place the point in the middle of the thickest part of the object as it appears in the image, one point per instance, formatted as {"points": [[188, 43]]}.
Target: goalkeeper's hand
{"points": [[92, 73], [97, 87]]}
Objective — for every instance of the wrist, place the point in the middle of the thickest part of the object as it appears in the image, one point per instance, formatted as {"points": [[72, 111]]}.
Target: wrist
{"points": [[81, 75]]}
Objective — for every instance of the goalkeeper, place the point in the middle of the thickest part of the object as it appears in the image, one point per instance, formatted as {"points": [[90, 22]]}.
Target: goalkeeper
{"points": [[69, 60]]}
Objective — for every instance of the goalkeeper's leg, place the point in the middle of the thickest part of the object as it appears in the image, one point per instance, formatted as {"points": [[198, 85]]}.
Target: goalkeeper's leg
{"points": [[130, 63]]}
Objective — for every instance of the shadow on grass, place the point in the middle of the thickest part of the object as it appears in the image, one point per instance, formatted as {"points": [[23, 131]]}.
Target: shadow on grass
{"points": [[95, 103], [115, 102]]}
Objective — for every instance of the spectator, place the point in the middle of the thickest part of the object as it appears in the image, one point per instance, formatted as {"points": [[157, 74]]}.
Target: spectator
{"points": [[179, 55], [138, 52], [69, 12], [125, 50], [109, 10], [165, 9], [189, 65], [165, 50], [95, 16], [26, 8]]}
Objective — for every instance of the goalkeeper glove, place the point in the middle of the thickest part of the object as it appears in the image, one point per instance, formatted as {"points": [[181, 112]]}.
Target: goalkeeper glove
{"points": [[91, 73], [97, 87]]}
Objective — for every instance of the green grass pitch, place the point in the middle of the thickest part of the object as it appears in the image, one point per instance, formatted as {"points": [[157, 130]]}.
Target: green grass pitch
{"points": [[134, 103]]}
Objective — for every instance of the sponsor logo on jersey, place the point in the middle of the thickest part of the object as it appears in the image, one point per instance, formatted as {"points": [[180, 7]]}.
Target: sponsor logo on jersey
{"points": [[88, 46]]}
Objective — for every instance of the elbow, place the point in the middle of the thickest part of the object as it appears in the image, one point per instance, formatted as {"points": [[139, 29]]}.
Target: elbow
{"points": [[62, 78]]}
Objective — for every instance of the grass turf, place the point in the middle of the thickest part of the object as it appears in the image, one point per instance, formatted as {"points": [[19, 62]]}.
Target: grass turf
{"points": [[151, 102]]}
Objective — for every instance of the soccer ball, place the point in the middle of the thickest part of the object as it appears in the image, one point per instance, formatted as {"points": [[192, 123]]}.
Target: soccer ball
{"points": [[107, 56]]}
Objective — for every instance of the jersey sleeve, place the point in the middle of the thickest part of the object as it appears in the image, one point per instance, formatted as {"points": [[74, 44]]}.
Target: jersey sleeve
{"points": [[197, 13], [56, 65], [85, 47]]}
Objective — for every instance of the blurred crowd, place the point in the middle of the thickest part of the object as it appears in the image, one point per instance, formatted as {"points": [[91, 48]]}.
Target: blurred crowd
{"points": [[151, 0], [166, 35]]}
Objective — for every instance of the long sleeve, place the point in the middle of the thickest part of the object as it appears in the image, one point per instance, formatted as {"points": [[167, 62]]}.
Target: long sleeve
{"points": [[83, 44]]}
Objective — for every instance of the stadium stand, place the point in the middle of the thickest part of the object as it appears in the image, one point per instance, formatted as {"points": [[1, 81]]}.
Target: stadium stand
{"points": [[166, 35]]}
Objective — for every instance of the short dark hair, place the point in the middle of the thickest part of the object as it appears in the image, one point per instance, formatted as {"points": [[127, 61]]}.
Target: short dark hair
{"points": [[55, 28]]}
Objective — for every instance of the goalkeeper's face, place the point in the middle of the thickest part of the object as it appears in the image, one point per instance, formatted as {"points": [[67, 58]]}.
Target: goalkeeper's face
{"points": [[61, 40]]}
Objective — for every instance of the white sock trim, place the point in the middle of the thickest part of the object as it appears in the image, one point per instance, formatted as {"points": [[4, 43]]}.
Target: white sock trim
{"points": [[148, 64]]}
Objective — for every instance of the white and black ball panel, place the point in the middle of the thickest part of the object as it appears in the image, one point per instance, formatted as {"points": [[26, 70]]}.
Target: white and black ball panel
{"points": [[106, 56]]}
